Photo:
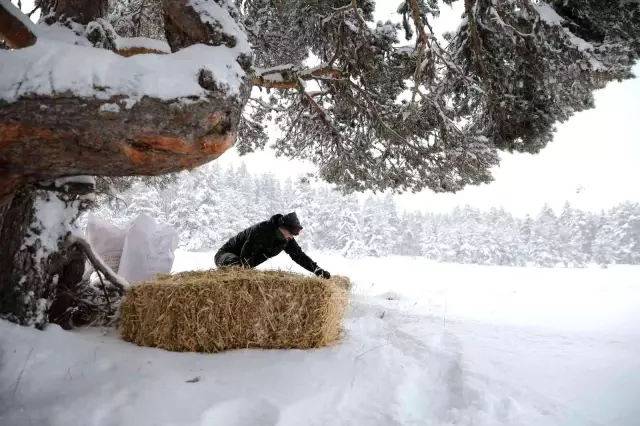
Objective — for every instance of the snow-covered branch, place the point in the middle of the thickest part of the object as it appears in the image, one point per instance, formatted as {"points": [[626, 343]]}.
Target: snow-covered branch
{"points": [[15, 27], [288, 76], [120, 283]]}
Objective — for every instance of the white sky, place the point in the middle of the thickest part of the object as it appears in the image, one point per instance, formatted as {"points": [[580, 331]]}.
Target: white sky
{"points": [[597, 150]]}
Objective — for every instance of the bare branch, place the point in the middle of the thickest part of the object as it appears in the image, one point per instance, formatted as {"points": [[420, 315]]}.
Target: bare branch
{"points": [[423, 41], [118, 282], [288, 78]]}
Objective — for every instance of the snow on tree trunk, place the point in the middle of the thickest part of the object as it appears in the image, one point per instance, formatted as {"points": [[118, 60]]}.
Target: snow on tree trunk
{"points": [[89, 111], [69, 108], [34, 259]]}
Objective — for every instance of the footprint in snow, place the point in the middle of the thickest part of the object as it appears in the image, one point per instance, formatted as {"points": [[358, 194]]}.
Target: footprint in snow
{"points": [[241, 412], [390, 295]]}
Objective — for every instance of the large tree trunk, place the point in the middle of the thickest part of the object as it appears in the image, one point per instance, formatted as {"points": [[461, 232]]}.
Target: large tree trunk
{"points": [[34, 258], [66, 134], [81, 11], [44, 138]]}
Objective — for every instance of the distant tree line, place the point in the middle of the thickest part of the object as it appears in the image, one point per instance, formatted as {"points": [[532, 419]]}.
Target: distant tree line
{"points": [[210, 204]]}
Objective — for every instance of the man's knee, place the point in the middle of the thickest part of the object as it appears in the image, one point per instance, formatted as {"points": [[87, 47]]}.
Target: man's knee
{"points": [[227, 259]]}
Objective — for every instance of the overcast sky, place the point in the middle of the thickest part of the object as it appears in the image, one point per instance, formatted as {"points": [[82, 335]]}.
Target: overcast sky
{"points": [[593, 161]]}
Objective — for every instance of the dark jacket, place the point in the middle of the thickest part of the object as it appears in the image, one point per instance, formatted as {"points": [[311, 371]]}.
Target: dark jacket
{"points": [[263, 241]]}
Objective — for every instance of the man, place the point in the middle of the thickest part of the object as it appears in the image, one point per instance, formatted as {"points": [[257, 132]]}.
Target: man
{"points": [[265, 240]]}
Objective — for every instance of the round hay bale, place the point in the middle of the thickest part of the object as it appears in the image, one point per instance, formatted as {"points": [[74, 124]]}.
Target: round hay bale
{"points": [[231, 308]]}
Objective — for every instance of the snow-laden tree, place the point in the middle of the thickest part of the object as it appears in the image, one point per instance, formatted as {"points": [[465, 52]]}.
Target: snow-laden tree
{"points": [[604, 250], [350, 229], [571, 224], [625, 232], [409, 234], [545, 243], [429, 246], [526, 230], [212, 206], [370, 111]]}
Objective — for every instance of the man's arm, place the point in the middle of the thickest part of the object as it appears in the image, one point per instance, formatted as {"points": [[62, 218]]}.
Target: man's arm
{"points": [[301, 258], [247, 251]]}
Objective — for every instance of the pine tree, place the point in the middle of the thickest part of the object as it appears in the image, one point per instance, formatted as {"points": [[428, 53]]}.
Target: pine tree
{"points": [[525, 247], [429, 237], [604, 250], [571, 244], [409, 234], [147, 201], [625, 223], [370, 234], [545, 247], [350, 238]]}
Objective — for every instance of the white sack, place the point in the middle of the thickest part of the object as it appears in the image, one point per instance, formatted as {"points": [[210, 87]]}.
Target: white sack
{"points": [[106, 239], [148, 250]]}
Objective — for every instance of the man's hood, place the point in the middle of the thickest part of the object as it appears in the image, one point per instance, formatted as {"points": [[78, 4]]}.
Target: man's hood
{"points": [[276, 219]]}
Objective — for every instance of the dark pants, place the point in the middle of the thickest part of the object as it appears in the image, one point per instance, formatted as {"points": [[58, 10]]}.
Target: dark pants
{"points": [[227, 259]]}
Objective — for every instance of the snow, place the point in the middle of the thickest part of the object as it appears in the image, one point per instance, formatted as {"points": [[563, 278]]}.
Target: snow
{"points": [[51, 67], [548, 14], [53, 219], [142, 42], [456, 345], [61, 61], [551, 17], [75, 179], [115, 108], [56, 31], [213, 13]]}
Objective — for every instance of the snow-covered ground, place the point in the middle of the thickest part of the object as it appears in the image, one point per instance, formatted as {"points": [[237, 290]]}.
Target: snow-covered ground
{"points": [[426, 344]]}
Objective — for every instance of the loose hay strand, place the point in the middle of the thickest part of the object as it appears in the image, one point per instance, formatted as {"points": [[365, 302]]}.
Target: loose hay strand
{"points": [[230, 308]]}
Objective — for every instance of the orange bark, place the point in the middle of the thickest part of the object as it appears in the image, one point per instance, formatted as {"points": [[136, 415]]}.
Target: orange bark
{"points": [[13, 31]]}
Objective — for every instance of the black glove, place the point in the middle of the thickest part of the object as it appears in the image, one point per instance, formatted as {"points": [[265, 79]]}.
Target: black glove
{"points": [[321, 273]]}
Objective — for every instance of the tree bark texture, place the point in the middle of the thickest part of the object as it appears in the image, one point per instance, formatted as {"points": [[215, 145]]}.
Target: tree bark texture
{"points": [[81, 11], [184, 27], [44, 138], [29, 273]]}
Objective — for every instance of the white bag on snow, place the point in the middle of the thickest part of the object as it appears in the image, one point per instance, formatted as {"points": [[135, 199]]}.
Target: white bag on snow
{"points": [[148, 250], [106, 239]]}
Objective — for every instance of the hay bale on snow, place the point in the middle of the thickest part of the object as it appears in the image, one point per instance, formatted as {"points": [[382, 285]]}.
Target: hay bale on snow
{"points": [[216, 310]]}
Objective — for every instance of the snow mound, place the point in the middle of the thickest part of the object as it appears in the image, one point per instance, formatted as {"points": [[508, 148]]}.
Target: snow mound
{"points": [[61, 62], [380, 375], [51, 67], [123, 43]]}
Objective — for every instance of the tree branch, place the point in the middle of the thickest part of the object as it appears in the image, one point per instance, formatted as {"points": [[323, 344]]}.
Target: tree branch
{"points": [[423, 41], [13, 29], [118, 282], [476, 43], [288, 78]]}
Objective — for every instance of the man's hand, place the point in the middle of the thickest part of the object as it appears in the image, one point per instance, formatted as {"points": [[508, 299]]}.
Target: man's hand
{"points": [[322, 273]]}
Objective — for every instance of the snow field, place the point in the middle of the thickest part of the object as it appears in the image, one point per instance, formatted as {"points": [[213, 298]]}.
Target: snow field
{"points": [[426, 344]]}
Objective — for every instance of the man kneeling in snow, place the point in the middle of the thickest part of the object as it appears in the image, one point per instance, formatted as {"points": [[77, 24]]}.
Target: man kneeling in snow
{"points": [[265, 240]]}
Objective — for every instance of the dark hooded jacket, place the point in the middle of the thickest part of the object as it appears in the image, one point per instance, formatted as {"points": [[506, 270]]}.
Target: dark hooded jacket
{"points": [[263, 241]]}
